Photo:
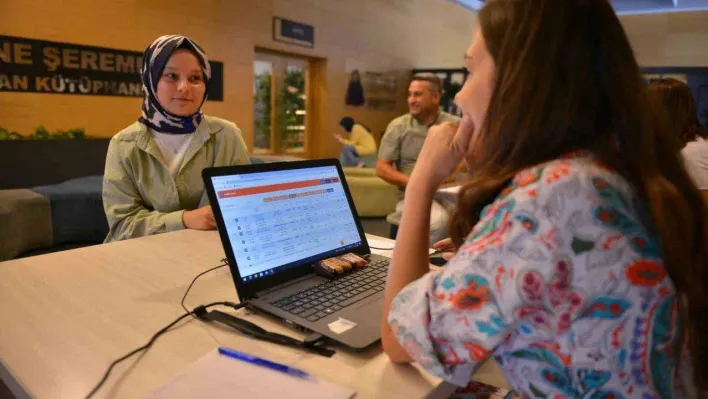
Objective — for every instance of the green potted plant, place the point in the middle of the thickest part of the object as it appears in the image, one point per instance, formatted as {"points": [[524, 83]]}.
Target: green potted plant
{"points": [[292, 99], [42, 133], [8, 135]]}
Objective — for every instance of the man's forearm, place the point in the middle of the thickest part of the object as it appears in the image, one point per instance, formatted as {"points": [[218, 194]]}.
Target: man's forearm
{"points": [[392, 176]]}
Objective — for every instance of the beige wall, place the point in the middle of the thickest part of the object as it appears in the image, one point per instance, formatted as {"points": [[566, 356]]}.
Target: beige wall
{"points": [[671, 39], [384, 34]]}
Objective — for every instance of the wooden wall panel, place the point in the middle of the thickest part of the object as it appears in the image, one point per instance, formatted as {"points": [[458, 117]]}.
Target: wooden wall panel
{"points": [[397, 35]]}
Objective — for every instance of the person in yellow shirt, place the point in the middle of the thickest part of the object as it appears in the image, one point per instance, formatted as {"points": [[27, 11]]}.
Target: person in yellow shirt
{"points": [[360, 148]]}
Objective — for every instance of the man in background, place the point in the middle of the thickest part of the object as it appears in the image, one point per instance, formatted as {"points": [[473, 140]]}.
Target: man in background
{"points": [[403, 141]]}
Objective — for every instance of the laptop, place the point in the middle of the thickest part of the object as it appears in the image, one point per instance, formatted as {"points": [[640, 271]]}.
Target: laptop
{"points": [[275, 221]]}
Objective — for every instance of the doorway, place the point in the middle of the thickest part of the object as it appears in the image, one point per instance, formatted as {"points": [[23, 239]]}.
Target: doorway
{"points": [[281, 120]]}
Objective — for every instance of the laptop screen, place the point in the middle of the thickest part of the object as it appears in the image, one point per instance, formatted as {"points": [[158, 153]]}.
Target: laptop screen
{"points": [[278, 220]]}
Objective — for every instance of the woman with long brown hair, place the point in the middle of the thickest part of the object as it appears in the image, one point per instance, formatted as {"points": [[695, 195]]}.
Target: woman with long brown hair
{"points": [[675, 99], [582, 240]]}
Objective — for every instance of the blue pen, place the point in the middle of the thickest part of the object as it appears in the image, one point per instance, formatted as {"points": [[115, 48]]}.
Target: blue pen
{"points": [[264, 363]]}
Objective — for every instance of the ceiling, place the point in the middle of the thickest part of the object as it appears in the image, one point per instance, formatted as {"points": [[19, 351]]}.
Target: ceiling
{"points": [[630, 6]]}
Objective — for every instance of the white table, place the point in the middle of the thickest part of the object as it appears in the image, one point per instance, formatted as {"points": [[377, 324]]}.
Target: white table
{"points": [[66, 316]]}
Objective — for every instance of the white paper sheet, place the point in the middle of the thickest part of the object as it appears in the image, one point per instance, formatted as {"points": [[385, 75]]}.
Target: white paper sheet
{"points": [[219, 376]]}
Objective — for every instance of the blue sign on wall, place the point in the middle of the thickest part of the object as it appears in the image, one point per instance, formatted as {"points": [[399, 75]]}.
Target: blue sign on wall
{"points": [[292, 32]]}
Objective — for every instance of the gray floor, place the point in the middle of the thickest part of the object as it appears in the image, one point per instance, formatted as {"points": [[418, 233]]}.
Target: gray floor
{"points": [[376, 226]]}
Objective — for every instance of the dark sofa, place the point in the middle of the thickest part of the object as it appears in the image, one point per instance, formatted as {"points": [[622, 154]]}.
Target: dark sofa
{"points": [[50, 195], [32, 163]]}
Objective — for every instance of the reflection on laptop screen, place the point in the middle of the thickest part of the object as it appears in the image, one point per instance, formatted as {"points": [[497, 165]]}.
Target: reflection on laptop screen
{"points": [[282, 219]]}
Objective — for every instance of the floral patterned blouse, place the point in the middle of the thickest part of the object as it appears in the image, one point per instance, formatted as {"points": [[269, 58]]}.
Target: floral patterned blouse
{"points": [[562, 282]]}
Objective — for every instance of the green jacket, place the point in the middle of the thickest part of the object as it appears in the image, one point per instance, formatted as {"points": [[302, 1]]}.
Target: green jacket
{"points": [[141, 197]]}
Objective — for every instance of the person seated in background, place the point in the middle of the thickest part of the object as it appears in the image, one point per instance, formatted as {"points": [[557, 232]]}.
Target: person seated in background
{"points": [[359, 145], [581, 240], [152, 182], [676, 99], [402, 142]]}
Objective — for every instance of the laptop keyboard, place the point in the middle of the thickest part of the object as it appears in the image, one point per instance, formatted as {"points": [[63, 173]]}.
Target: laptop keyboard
{"points": [[324, 299]]}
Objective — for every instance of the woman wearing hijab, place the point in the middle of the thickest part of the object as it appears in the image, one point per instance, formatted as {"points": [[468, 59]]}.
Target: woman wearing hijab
{"points": [[152, 182]]}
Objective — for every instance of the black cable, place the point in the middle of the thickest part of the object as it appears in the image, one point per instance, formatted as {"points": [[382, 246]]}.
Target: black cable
{"points": [[164, 329], [223, 263], [145, 347], [245, 326]]}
